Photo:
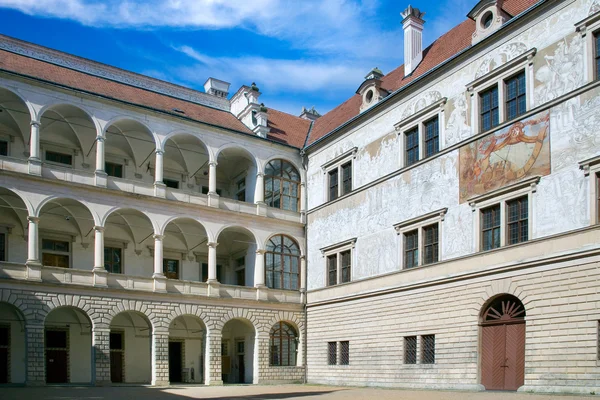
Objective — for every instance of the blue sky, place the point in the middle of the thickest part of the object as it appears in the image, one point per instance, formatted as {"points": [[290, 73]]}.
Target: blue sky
{"points": [[300, 53]]}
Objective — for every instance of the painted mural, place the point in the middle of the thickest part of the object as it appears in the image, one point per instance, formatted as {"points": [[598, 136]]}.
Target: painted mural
{"points": [[504, 157]]}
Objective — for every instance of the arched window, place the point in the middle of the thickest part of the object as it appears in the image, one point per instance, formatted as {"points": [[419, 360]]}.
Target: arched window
{"points": [[282, 263], [284, 345], [282, 185], [504, 308]]}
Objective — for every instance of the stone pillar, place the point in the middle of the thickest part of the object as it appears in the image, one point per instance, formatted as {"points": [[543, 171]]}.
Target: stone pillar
{"points": [[212, 360], [160, 358], [259, 275], [35, 162], [101, 338], [213, 197], [213, 282], [303, 202], [303, 278], [259, 195], [261, 356], [100, 173], [34, 342], [160, 190], [160, 281], [34, 266], [100, 273]]}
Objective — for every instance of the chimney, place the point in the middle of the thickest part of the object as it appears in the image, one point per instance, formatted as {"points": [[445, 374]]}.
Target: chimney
{"points": [[216, 87], [413, 38], [309, 114]]}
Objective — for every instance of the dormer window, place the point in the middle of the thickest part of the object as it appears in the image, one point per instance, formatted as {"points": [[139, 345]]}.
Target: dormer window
{"points": [[371, 90], [487, 20], [489, 17]]}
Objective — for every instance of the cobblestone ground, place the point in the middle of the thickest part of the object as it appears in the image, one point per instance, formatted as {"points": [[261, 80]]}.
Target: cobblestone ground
{"points": [[289, 392]]}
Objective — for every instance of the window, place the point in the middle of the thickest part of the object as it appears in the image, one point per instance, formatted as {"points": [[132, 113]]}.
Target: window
{"points": [[116, 341], [339, 262], [113, 169], [332, 270], [171, 268], [412, 146], [591, 170], [333, 184], [597, 197], [597, 55], [517, 211], [3, 148], [282, 263], [3, 247], [240, 193], [346, 178], [240, 272], [598, 342], [338, 173], [171, 183], [346, 266], [489, 112], [490, 227], [345, 353], [410, 350], [56, 253], [411, 249], [428, 349], [284, 341], [430, 245], [420, 239], [516, 101], [113, 260], [60, 158], [332, 353], [432, 137], [282, 185]]}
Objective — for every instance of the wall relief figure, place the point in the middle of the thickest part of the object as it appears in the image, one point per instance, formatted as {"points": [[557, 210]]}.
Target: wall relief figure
{"points": [[457, 124], [594, 7], [504, 157], [416, 105], [502, 56]]}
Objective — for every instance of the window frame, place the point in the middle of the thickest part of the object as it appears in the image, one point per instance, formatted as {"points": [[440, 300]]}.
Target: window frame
{"points": [[57, 238], [337, 250], [282, 178], [423, 350], [419, 224], [418, 121], [62, 153], [589, 29], [591, 171], [501, 197], [332, 356], [506, 100], [344, 358], [4, 138], [115, 244], [338, 164], [292, 353], [282, 256], [406, 355], [165, 179], [116, 164]]}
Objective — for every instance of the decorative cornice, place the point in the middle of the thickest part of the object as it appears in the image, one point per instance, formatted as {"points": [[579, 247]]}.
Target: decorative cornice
{"points": [[349, 242], [437, 215], [343, 156]]}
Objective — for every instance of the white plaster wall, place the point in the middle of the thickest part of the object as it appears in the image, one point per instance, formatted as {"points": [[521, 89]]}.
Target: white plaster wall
{"points": [[8, 316], [137, 347], [236, 329]]}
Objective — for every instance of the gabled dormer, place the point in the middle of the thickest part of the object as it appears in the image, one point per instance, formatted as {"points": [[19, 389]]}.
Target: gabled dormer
{"points": [[370, 90], [489, 17]]}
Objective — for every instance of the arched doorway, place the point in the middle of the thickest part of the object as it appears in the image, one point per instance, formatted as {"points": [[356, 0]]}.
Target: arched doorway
{"points": [[237, 351], [186, 350], [13, 357], [130, 336], [503, 343]]}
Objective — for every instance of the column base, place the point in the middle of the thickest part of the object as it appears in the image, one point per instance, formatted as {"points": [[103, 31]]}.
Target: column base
{"points": [[103, 383], [214, 288], [34, 271], [261, 292], [215, 383], [101, 178], [100, 277], [213, 199], [35, 166], [35, 383], [160, 283], [160, 189], [161, 383], [261, 208], [303, 296]]}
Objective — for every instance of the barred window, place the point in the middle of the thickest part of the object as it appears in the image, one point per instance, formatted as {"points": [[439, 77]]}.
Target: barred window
{"points": [[516, 100], [431, 245], [411, 249], [284, 341], [345, 353], [432, 137], [490, 227], [346, 265], [488, 112], [332, 270], [428, 349], [332, 353], [410, 350], [518, 224], [412, 146]]}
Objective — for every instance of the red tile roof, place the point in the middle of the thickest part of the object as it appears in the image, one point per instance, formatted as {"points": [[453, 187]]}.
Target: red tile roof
{"points": [[446, 46], [287, 128]]}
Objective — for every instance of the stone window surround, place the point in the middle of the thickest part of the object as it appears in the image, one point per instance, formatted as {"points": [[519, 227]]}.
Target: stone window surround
{"points": [[119, 244], [58, 236], [418, 223], [48, 146], [501, 196], [337, 162], [524, 62], [591, 167], [419, 349], [419, 119], [338, 248], [587, 28], [338, 354]]}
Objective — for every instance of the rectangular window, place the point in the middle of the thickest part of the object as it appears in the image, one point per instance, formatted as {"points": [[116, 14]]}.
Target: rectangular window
{"points": [[428, 349], [171, 183], [113, 169], [3, 247], [333, 184], [345, 353], [432, 137], [488, 112], [490, 227], [517, 219], [411, 249], [3, 148], [412, 146], [113, 260], [410, 350], [55, 253], [597, 55], [431, 244], [61, 158], [346, 178], [332, 353], [5, 339], [240, 194], [171, 268], [346, 265], [116, 341], [516, 99], [332, 270], [56, 339]]}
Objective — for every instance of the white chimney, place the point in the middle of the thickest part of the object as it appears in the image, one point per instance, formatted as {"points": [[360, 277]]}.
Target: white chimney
{"points": [[413, 38], [216, 87]]}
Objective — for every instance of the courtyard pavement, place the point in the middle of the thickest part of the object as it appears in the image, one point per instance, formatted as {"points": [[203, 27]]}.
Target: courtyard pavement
{"points": [[288, 392]]}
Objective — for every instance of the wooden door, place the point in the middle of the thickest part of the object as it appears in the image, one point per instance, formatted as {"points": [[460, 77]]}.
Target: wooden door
{"points": [[116, 366], [503, 356], [240, 347], [56, 366], [175, 362]]}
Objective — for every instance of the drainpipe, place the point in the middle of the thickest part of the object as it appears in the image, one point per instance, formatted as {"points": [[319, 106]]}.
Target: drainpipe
{"points": [[305, 272]]}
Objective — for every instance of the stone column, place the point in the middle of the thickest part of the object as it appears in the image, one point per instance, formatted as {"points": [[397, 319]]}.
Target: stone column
{"points": [[213, 282], [34, 266], [212, 360], [34, 342], [101, 338], [159, 186], [259, 275], [160, 281], [35, 162], [303, 202], [100, 166], [100, 273], [213, 197], [259, 195], [160, 358], [303, 278]]}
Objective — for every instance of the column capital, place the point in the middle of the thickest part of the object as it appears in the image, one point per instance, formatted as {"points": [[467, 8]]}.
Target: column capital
{"points": [[303, 257], [100, 138], [35, 123], [98, 228], [260, 174], [212, 244], [158, 237], [212, 163], [159, 152], [261, 251], [35, 220]]}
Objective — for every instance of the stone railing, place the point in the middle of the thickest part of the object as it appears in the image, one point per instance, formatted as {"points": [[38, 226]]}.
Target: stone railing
{"points": [[78, 277]]}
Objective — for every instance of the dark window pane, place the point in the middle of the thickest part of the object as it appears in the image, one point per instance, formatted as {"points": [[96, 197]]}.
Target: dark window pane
{"points": [[518, 224], [410, 350], [411, 249], [283, 345], [60, 158], [345, 353], [430, 234], [332, 353], [2, 247], [56, 339], [171, 183], [412, 146], [347, 178], [346, 259], [171, 268], [116, 341], [282, 185], [597, 55], [489, 108], [282, 260], [515, 96], [4, 336], [432, 140], [332, 270], [112, 259], [428, 346], [3, 148], [113, 169], [333, 184], [490, 227]]}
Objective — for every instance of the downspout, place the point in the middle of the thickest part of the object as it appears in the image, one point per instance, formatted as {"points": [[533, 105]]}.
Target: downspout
{"points": [[305, 272]]}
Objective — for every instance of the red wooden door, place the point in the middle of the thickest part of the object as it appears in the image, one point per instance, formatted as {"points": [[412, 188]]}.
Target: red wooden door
{"points": [[503, 356], [514, 371]]}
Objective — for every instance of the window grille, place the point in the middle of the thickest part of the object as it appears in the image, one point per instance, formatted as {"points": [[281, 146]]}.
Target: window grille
{"points": [[490, 227], [332, 353], [431, 244], [489, 113], [412, 146], [410, 350], [283, 344], [518, 224], [432, 137], [428, 352], [345, 353], [516, 100], [411, 249]]}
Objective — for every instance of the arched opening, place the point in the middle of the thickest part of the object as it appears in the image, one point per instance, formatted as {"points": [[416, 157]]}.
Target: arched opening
{"points": [[66, 234], [283, 345], [184, 249], [128, 241], [68, 138], [128, 152], [236, 256], [68, 346], [282, 185], [13, 225], [237, 351], [13, 354], [236, 174], [186, 163], [187, 335], [282, 263], [503, 343], [14, 125], [130, 356]]}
